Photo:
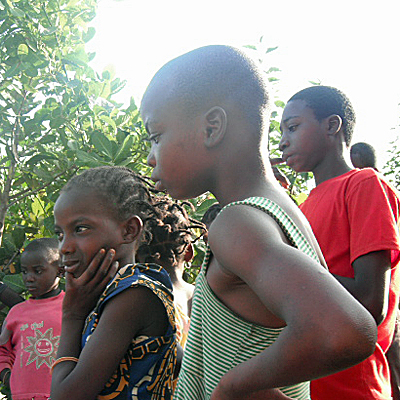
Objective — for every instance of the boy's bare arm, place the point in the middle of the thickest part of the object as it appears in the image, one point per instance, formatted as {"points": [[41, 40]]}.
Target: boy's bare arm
{"points": [[297, 290], [371, 282]]}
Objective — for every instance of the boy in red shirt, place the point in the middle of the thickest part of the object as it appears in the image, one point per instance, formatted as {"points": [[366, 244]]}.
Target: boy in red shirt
{"points": [[354, 215]]}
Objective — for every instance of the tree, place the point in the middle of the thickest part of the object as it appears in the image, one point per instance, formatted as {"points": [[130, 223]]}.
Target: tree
{"points": [[57, 115]]}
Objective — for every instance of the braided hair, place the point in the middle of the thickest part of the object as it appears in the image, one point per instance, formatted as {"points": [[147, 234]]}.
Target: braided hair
{"points": [[123, 191], [171, 232]]}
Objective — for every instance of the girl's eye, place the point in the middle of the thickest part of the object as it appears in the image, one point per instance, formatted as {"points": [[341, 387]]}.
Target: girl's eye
{"points": [[23, 272], [39, 271], [292, 128], [80, 229]]}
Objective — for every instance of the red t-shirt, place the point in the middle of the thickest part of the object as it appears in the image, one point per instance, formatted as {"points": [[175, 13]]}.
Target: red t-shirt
{"points": [[35, 327], [352, 215]]}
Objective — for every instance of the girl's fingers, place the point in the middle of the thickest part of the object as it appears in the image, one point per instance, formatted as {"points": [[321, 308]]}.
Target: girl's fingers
{"points": [[98, 267], [110, 274]]}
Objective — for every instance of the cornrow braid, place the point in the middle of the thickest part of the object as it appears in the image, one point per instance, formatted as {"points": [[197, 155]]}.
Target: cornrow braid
{"points": [[170, 232], [122, 190]]}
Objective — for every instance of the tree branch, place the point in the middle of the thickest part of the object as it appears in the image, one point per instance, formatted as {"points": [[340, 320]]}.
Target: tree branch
{"points": [[18, 197]]}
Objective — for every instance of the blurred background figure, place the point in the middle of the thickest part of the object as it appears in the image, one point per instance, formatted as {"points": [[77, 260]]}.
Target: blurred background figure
{"points": [[363, 155]]}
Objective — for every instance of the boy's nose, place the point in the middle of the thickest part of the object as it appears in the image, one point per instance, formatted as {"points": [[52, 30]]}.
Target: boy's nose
{"points": [[283, 143], [29, 278], [65, 246], [151, 161]]}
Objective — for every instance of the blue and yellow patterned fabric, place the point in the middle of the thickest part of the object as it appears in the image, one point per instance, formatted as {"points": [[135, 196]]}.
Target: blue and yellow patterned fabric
{"points": [[146, 371]]}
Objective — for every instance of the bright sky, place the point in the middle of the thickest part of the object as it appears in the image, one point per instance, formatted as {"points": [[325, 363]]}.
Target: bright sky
{"points": [[350, 44]]}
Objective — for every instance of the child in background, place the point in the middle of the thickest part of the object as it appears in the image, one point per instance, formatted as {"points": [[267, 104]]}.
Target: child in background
{"points": [[363, 155], [128, 348], [266, 314], [355, 217], [31, 331]]}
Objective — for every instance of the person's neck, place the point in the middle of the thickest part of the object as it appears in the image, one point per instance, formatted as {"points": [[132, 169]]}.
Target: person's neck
{"points": [[53, 293], [330, 168], [249, 179]]}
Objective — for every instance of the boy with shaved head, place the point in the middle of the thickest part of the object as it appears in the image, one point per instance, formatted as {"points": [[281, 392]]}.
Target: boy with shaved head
{"points": [[260, 317]]}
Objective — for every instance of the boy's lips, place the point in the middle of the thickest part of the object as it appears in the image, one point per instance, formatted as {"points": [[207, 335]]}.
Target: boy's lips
{"points": [[286, 157]]}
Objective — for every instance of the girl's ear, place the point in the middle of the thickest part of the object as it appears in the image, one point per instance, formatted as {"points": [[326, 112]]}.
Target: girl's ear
{"points": [[215, 126], [189, 253], [132, 229]]}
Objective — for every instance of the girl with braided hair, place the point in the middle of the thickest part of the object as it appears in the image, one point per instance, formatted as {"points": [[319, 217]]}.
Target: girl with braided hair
{"points": [[169, 244], [128, 346]]}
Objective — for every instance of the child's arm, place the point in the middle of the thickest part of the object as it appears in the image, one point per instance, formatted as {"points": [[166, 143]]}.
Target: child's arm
{"points": [[370, 285], [327, 329], [7, 356], [129, 314], [8, 296]]}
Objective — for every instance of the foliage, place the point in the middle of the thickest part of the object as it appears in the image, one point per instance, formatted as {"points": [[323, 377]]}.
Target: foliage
{"points": [[392, 167], [298, 181], [57, 115]]}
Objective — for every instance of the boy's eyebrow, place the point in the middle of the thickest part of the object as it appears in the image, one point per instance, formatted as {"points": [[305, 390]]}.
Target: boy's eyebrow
{"points": [[289, 118], [286, 120]]}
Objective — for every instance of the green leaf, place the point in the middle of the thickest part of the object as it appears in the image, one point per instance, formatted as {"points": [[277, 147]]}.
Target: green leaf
{"points": [[102, 144], [37, 207], [16, 12], [39, 157], [91, 160], [23, 50], [124, 150], [108, 121], [50, 31], [18, 235], [15, 282], [270, 49]]}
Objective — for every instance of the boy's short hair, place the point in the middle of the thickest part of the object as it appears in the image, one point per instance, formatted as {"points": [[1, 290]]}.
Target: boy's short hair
{"points": [[45, 246], [327, 100], [210, 75], [42, 245], [366, 154]]}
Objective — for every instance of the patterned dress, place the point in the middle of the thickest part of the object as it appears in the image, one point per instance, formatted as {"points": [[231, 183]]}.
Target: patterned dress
{"points": [[146, 371], [219, 339]]}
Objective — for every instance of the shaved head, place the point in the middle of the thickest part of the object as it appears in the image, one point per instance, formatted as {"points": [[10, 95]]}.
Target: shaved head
{"points": [[215, 76]]}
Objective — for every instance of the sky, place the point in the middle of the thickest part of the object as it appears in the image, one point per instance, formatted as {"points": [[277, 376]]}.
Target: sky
{"points": [[350, 44]]}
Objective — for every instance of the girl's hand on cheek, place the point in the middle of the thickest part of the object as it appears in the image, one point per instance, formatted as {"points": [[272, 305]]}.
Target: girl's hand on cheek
{"points": [[82, 293]]}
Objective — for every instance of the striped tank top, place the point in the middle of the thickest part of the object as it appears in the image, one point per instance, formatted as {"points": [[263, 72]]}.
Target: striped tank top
{"points": [[218, 338]]}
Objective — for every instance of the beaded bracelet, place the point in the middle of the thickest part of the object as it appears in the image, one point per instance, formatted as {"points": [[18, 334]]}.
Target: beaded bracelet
{"points": [[62, 359]]}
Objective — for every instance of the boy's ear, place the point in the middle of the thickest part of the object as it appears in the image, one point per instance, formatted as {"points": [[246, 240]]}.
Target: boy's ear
{"points": [[215, 126], [334, 124], [132, 229]]}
